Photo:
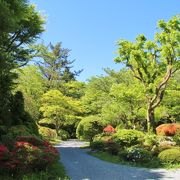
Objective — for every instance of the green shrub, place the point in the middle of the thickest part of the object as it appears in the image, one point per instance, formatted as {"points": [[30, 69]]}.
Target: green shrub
{"points": [[97, 145], [176, 138], [122, 154], [19, 130], [137, 154], [88, 128], [3, 129], [128, 137], [104, 142], [102, 137], [35, 141], [111, 147], [47, 133], [13, 133], [150, 140], [170, 155], [63, 135]]}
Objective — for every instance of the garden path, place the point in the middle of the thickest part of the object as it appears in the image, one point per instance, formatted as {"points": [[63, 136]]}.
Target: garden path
{"points": [[81, 166]]}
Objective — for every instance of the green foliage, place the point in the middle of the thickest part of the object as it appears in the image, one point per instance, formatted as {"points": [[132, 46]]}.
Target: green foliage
{"points": [[74, 89], [128, 137], [3, 130], [102, 137], [137, 154], [176, 138], [56, 171], [55, 64], [19, 130], [98, 145], [54, 108], [153, 62], [47, 133], [20, 26], [63, 135], [150, 140], [104, 142], [96, 94], [31, 84], [9, 137], [170, 156], [88, 128], [126, 106]]}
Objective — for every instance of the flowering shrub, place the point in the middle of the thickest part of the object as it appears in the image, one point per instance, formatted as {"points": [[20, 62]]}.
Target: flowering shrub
{"points": [[109, 129], [28, 153], [137, 154], [3, 152], [168, 129], [31, 139]]}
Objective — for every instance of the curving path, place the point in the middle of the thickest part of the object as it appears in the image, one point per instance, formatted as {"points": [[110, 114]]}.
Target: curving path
{"points": [[81, 166]]}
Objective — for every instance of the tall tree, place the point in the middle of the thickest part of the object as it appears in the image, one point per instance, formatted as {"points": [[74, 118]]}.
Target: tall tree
{"points": [[31, 83], [55, 65], [153, 62], [20, 26]]}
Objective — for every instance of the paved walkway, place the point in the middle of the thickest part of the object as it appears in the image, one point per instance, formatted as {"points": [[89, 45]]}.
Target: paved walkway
{"points": [[81, 166]]}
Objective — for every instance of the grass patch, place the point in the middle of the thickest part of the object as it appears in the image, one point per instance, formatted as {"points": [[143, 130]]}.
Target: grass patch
{"points": [[154, 163], [54, 172]]}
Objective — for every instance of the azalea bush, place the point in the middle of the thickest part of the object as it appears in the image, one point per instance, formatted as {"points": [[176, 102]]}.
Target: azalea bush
{"points": [[138, 154], [109, 129], [168, 129], [28, 154]]}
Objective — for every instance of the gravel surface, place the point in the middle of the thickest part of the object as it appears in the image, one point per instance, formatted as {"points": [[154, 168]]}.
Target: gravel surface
{"points": [[81, 166]]}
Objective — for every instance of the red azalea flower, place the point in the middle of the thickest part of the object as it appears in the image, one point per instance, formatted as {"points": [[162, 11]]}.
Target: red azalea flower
{"points": [[109, 129], [21, 143], [3, 149]]}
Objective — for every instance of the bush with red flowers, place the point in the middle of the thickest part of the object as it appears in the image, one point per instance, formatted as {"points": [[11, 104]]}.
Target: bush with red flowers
{"points": [[168, 129], [28, 153], [109, 129]]}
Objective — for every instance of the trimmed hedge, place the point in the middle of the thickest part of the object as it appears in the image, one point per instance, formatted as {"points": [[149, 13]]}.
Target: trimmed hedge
{"points": [[170, 156], [128, 137]]}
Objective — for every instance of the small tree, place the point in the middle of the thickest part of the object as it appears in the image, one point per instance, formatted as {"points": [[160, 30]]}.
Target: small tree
{"points": [[153, 62], [88, 128], [54, 108]]}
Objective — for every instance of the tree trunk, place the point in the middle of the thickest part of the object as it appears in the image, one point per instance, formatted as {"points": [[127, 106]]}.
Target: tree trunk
{"points": [[150, 119]]}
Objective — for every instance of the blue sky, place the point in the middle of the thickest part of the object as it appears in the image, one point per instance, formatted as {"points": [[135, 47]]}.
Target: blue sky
{"points": [[90, 28]]}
